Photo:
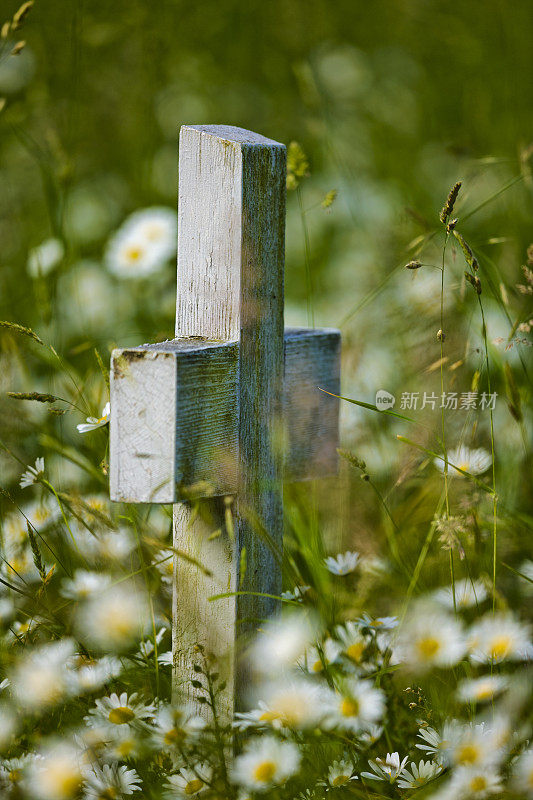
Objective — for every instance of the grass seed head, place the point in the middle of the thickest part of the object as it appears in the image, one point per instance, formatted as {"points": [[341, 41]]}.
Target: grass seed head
{"points": [[450, 202]]}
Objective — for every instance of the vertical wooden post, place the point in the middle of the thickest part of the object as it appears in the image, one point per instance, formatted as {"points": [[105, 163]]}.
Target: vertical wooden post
{"points": [[231, 213]]}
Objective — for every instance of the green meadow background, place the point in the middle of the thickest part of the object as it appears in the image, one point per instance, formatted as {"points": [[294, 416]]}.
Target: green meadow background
{"points": [[392, 102]]}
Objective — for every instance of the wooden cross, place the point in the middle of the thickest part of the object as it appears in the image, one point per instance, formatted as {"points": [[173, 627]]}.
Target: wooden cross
{"points": [[231, 406]]}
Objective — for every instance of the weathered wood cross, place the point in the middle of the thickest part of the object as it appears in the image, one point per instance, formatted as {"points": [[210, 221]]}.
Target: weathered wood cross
{"points": [[231, 406]]}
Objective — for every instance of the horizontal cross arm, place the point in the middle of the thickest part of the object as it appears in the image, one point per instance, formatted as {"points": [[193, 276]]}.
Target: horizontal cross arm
{"points": [[174, 420]]}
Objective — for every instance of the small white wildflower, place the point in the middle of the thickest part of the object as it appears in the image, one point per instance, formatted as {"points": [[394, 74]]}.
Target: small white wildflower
{"points": [[327, 654], [174, 725], [419, 775], [166, 659], [45, 258], [353, 641], [92, 674], [354, 707], [296, 594], [110, 780], [119, 710], [93, 422], [83, 584], [340, 773], [387, 769], [475, 461], [42, 678], [32, 474], [143, 243], [428, 639], [13, 775], [146, 647], [474, 783], [468, 593], [282, 643], [266, 762], [188, 782], [523, 773], [479, 690], [296, 703], [377, 624], [112, 619], [438, 744], [478, 744], [57, 775], [343, 563], [499, 637]]}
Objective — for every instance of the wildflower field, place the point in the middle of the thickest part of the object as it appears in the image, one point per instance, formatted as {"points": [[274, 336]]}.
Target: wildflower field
{"points": [[400, 665]]}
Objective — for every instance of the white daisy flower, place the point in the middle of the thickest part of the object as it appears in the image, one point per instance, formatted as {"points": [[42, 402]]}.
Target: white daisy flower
{"points": [[83, 584], [166, 659], [419, 775], [174, 725], [104, 546], [480, 690], [371, 734], [157, 226], [112, 619], [266, 762], [119, 710], [474, 783], [57, 775], [428, 639], [92, 674], [110, 780], [296, 703], [188, 782], [523, 773], [377, 624], [45, 258], [42, 678], [282, 643], [93, 422], [296, 594], [387, 769], [353, 642], [147, 647], [468, 593], [165, 566], [438, 744], [316, 657], [475, 461], [355, 706], [499, 637], [13, 775], [479, 744], [32, 474], [343, 563], [340, 773], [123, 744], [18, 563]]}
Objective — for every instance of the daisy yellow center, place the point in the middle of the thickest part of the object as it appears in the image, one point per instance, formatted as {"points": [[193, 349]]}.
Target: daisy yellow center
{"points": [[126, 748], [500, 647], [193, 786], [464, 465], [290, 709], [478, 783], [340, 780], [65, 784], [120, 715], [428, 647], [484, 692], [355, 651], [264, 772], [467, 754], [108, 794], [133, 253], [119, 627], [318, 666], [349, 707], [14, 775], [173, 736]]}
